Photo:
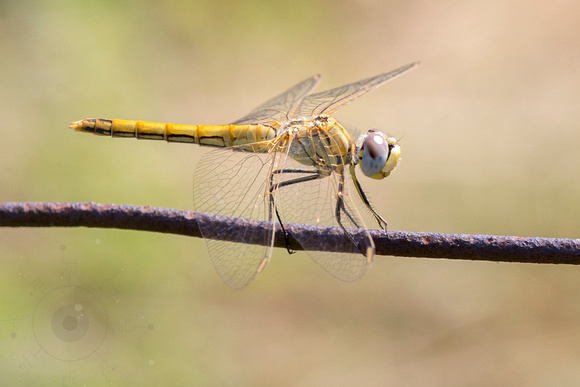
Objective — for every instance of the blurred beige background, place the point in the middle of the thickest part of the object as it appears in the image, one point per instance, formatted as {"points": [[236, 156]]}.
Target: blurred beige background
{"points": [[490, 133]]}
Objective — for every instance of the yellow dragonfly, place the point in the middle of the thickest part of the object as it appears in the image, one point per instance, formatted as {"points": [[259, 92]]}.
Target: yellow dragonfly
{"points": [[286, 161]]}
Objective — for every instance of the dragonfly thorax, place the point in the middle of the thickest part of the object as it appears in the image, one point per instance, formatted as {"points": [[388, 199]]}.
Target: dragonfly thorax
{"points": [[378, 154]]}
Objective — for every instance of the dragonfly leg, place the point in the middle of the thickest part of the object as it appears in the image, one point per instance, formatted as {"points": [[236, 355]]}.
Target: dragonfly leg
{"points": [[340, 207], [363, 196], [286, 235], [313, 175], [365, 245]]}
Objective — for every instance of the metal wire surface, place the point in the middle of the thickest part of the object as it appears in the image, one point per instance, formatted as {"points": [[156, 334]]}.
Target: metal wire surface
{"points": [[395, 243]]}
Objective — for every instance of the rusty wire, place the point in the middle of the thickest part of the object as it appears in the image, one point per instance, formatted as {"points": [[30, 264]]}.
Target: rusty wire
{"points": [[396, 243]]}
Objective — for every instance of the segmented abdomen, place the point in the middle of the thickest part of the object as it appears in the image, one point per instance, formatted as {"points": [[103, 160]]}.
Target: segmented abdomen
{"points": [[206, 135]]}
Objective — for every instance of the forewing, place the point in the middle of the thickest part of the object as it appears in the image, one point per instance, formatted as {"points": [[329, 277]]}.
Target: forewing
{"points": [[234, 182], [330, 101], [315, 202], [282, 107]]}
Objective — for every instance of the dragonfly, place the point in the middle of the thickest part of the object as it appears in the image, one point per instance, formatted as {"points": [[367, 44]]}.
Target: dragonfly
{"points": [[286, 161]]}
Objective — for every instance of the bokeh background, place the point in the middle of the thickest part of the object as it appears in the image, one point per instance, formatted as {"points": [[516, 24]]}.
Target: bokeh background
{"points": [[489, 128]]}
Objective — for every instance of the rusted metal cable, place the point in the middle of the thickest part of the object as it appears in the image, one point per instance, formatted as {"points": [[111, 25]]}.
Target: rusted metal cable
{"points": [[397, 243]]}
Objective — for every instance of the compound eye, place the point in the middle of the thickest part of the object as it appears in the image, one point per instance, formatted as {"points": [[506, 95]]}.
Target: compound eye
{"points": [[375, 153]]}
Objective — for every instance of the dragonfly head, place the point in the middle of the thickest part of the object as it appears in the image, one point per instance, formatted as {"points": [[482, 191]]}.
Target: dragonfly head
{"points": [[378, 154]]}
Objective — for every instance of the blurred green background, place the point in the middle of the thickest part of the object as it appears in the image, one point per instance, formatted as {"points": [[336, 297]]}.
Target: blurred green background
{"points": [[490, 133]]}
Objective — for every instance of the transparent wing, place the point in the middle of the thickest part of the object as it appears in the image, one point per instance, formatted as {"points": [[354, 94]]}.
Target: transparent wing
{"points": [[234, 182], [315, 202], [282, 107], [330, 101]]}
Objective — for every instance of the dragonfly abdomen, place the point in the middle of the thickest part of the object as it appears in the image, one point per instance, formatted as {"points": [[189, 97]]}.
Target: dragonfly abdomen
{"points": [[206, 135]]}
